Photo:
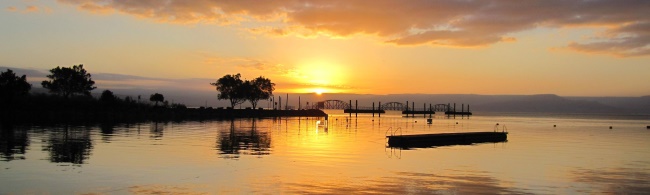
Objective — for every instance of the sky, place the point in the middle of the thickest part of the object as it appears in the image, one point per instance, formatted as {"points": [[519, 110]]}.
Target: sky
{"points": [[564, 47]]}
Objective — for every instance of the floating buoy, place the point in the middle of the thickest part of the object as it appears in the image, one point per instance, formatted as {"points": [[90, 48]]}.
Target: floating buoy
{"points": [[497, 123], [648, 127], [456, 122], [416, 121], [554, 125], [610, 127]]}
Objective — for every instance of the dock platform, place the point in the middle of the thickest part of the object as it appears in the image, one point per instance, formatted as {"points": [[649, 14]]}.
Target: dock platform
{"points": [[445, 139]]}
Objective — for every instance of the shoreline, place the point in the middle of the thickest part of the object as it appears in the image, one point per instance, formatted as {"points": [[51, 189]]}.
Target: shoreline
{"points": [[147, 114]]}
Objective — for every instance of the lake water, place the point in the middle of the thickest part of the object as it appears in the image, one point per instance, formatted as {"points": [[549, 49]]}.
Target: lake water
{"points": [[581, 154]]}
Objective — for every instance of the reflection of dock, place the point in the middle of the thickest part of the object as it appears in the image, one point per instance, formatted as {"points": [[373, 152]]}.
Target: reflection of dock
{"points": [[445, 139]]}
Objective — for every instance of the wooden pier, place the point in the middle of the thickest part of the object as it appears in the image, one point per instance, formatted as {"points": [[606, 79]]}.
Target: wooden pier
{"points": [[407, 110], [458, 113], [445, 139]]}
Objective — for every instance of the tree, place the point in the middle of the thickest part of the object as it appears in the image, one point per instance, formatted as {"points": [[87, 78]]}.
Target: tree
{"points": [[230, 88], [12, 85], [258, 89], [156, 97], [107, 96], [68, 81]]}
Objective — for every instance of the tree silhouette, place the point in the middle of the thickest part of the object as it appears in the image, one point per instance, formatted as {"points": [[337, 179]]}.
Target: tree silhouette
{"points": [[68, 81], [12, 85], [107, 96], [258, 89], [230, 88], [156, 97]]}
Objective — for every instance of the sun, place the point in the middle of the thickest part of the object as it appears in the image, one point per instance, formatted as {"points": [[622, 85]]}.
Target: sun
{"points": [[319, 91]]}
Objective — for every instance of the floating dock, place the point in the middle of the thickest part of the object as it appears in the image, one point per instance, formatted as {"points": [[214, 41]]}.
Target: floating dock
{"points": [[458, 113], [445, 139]]}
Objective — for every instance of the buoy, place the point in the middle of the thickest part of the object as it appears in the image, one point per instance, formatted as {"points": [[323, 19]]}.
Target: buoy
{"points": [[648, 127], [554, 125], [456, 122], [416, 121], [610, 127]]}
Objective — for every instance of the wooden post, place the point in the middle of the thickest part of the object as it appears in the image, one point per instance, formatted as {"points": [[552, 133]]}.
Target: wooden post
{"points": [[373, 109], [430, 111], [454, 109], [379, 109], [280, 100], [424, 108], [413, 113], [356, 108], [298, 102], [350, 108]]}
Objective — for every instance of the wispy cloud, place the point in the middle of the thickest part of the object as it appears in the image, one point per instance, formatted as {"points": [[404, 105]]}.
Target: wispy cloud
{"points": [[12, 9], [458, 23], [269, 67]]}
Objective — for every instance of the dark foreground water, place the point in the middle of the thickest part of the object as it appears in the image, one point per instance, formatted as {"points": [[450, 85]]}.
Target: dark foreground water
{"points": [[296, 155]]}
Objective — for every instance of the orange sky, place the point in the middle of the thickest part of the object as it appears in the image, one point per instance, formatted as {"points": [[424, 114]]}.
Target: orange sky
{"points": [[571, 48]]}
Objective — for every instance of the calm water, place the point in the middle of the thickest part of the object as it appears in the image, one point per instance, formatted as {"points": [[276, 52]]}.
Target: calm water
{"points": [[296, 155]]}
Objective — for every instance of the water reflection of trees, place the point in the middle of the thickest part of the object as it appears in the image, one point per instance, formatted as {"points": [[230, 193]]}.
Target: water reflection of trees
{"points": [[156, 129], [69, 145], [13, 143], [244, 141]]}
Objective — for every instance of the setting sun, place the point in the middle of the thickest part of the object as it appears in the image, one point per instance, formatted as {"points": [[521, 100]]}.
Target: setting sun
{"points": [[319, 91]]}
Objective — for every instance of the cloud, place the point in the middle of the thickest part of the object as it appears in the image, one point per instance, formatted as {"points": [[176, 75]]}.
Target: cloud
{"points": [[12, 9], [31, 8], [458, 23], [267, 66]]}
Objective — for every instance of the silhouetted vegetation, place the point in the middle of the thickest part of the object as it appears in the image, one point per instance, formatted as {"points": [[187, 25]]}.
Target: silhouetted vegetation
{"points": [[237, 91], [156, 98], [12, 86], [69, 81], [258, 89], [65, 106], [107, 97], [229, 88]]}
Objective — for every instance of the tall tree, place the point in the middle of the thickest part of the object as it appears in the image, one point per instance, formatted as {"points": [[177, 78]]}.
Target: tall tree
{"points": [[12, 85], [156, 97], [230, 88], [68, 81], [258, 89]]}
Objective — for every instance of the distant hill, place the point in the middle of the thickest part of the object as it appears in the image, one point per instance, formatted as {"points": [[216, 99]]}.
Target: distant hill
{"points": [[548, 104]]}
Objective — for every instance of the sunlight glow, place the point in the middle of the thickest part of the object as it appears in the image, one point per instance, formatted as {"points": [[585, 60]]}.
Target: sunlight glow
{"points": [[319, 91]]}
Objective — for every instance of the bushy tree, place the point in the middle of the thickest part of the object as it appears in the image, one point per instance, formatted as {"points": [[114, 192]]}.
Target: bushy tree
{"points": [[12, 85], [230, 88], [156, 97], [68, 81], [107, 96], [258, 89]]}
